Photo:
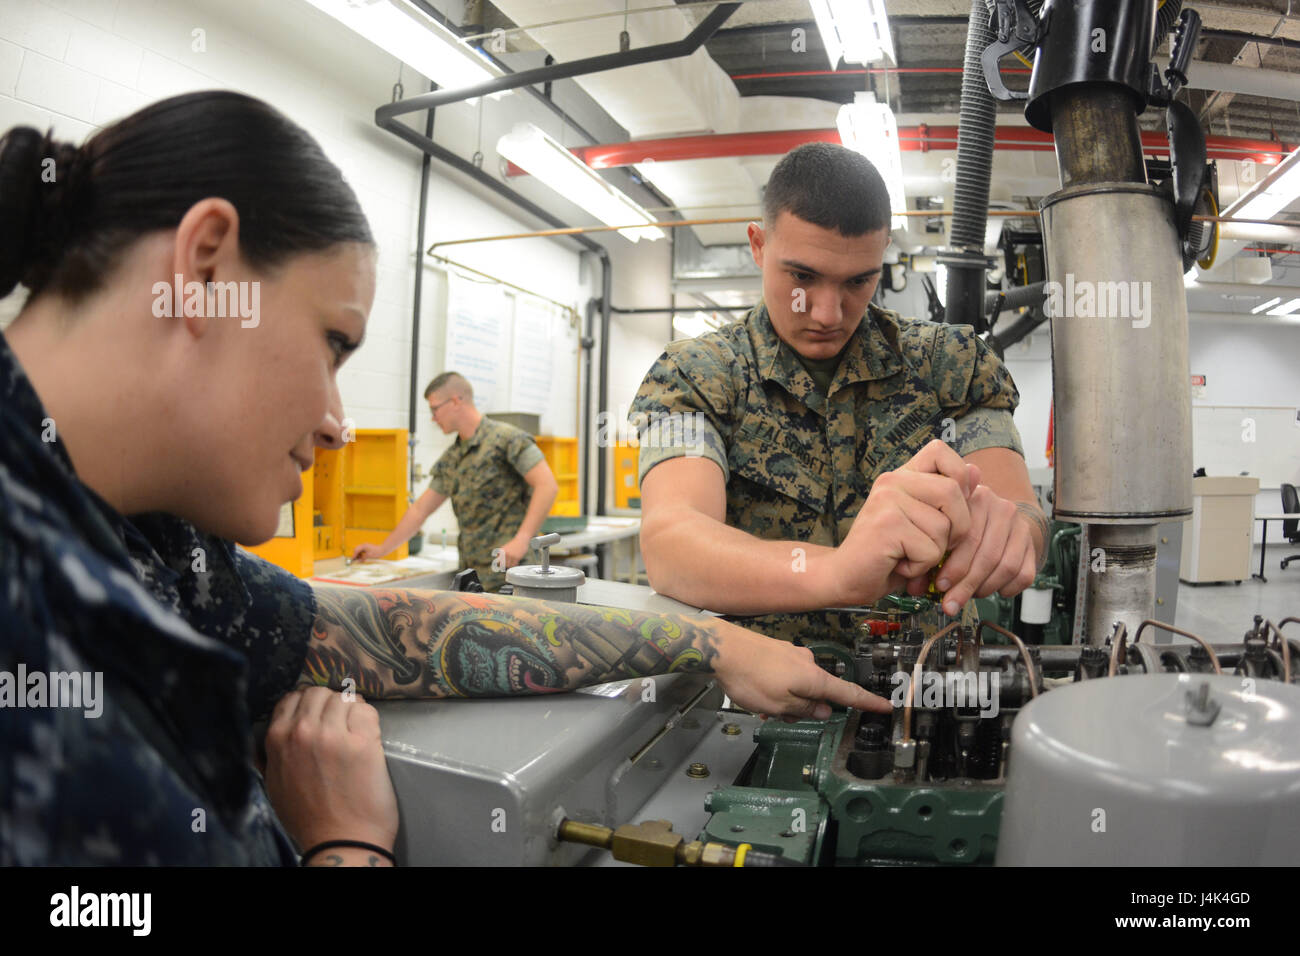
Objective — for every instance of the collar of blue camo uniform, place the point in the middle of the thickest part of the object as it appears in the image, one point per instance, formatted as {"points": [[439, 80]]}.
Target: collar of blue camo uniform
{"points": [[871, 353], [29, 449]]}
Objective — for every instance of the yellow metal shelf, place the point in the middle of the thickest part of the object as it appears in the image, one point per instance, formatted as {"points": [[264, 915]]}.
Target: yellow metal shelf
{"points": [[561, 455], [357, 493]]}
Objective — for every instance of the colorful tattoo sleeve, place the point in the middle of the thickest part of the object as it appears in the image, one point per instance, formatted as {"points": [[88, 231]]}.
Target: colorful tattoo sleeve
{"points": [[413, 643]]}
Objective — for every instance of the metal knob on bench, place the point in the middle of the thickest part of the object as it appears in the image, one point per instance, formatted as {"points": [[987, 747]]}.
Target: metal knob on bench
{"points": [[552, 582]]}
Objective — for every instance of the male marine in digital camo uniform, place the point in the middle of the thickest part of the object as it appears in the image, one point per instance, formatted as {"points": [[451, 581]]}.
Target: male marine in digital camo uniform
{"points": [[789, 461], [497, 480]]}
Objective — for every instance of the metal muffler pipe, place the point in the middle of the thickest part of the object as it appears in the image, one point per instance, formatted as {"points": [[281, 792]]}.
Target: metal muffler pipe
{"points": [[1118, 309], [1121, 579], [1120, 374], [1119, 356]]}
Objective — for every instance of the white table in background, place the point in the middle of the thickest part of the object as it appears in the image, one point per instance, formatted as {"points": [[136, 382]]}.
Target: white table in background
{"points": [[434, 567], [1263, 544], [605, 531]]}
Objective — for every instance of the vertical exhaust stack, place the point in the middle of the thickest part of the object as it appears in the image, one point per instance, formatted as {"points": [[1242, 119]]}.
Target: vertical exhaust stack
{"points": [[1116, 300], [1119, 373]]}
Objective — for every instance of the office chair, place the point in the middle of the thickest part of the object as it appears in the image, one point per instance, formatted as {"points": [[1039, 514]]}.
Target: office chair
{"points": [[1291, 526]]}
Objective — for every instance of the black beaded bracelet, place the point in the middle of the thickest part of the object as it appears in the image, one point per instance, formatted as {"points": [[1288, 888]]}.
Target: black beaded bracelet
{"points": [[355, 843]]}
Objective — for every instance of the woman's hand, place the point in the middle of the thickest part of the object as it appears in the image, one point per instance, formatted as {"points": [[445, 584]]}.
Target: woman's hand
{"points": [[767, 676], [325, 770]]}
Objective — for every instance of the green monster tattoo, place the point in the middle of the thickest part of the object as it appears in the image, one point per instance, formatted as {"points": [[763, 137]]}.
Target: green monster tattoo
{"points": [[409, 643]]}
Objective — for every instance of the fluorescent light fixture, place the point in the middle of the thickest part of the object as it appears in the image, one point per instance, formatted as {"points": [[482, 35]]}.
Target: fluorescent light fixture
{"points": [[697, 324], [856, 30], [419, 42], [1267, 305], [1272, 194], [543, 157], [1286, 308], [871, 129]]}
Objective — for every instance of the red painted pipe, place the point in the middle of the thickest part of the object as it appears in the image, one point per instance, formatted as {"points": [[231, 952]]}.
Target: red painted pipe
{"points": [[895, 69], [911, 138]]}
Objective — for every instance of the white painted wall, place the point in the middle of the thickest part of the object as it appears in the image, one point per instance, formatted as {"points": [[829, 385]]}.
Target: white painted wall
{"points": [[1252, 365], [640, 280], [1248, 365]]}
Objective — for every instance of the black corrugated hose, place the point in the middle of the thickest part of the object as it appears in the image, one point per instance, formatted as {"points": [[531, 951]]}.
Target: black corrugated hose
{"points": [[975, 137], [975, 130]]}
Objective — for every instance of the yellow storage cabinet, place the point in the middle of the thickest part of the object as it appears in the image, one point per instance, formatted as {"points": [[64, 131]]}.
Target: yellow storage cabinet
{"points": [[352, 495], [561, 455], [627, 490]]}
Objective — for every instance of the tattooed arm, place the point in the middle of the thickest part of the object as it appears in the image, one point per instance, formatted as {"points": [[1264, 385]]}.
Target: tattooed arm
{"points": [[434, 644]]}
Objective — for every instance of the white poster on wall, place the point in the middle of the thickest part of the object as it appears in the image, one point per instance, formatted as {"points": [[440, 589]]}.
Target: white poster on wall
{"points": [[530, 372], [478, 316]]}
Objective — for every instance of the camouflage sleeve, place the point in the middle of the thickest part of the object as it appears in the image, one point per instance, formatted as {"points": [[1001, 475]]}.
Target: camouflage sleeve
{"points": [[973, 386], [682, 408], [522, 453], [441, 478], [966, 374], [989, 393], [986, 428]]}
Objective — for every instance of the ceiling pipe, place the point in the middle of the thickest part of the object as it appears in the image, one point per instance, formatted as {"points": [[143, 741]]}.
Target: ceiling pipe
{"points": [[1237, 36], [416, 305], [542, 97], [922, 138], [869, 71], [562, 71], [1258, 232], [1263, 290], [904, 21], [1202, 75], [1239, 79]]}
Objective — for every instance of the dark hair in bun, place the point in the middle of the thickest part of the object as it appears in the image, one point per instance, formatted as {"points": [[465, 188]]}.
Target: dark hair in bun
{"points": [[66, 213]]}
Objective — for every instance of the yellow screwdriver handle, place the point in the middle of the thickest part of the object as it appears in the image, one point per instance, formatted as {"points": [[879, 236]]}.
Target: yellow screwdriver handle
{"points": [[934, 575]]}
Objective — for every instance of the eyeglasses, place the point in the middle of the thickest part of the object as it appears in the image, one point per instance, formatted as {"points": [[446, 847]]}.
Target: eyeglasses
{"points": [[433, 409]]}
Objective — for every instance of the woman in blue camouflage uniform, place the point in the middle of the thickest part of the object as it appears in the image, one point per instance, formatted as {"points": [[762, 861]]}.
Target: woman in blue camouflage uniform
{"points": [[196, 273]]}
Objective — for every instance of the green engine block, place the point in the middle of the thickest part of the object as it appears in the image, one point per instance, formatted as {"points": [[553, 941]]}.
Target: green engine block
{"points": [[798, 798]]}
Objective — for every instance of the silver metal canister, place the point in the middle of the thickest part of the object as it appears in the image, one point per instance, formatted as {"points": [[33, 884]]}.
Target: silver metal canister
{"points": [[1119, 355], [1155, 770]]}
